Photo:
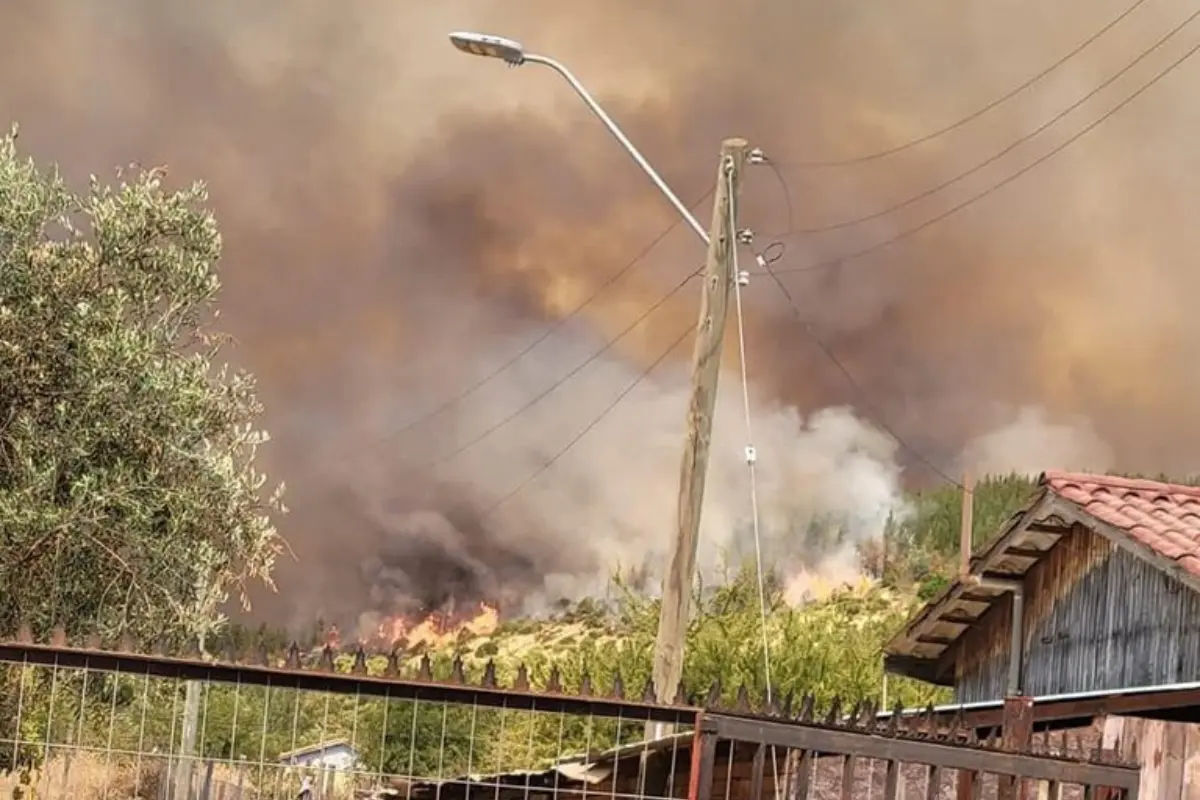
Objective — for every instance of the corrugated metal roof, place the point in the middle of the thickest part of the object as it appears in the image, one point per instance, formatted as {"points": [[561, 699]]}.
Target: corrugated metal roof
{"points": [[1173, 700], [582, 768]]}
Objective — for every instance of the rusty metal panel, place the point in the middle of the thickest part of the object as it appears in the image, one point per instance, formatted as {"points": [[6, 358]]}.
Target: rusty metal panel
{"points": [[327, 675], [914, 747]]}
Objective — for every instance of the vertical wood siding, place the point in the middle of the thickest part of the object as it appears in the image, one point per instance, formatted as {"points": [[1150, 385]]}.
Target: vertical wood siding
{"points": [[1096, 618]]}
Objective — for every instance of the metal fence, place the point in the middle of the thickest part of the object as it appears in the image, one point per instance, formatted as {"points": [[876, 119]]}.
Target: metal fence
{"points": [[85, 722], [856, 757], [92, 723]]}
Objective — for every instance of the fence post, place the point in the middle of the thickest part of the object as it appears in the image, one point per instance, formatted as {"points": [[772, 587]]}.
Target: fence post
{"points": [[1016, 737], [757, 767], [704, 756]]}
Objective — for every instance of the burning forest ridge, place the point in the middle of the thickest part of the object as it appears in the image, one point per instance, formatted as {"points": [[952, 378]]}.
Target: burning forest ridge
{"points": [[431, 630]]}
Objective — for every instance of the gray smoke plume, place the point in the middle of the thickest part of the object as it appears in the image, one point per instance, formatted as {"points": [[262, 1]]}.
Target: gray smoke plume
{"points": [[401, 218], [495, 523]]}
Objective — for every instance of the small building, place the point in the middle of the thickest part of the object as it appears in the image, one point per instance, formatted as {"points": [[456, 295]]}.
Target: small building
{"points": [[1101, 575], [337, 755], [658, 768]]}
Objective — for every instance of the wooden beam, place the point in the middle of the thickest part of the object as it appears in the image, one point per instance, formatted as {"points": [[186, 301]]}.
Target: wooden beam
{"points": [[938, 640], [959, 619], [1024, 552], [947, 662], [957, 591], [923, 669], [1003, 576], [1052, 530]]}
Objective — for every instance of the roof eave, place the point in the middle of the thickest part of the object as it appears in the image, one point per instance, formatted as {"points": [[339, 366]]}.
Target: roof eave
{"points": [[921, 669], [901, 645]]}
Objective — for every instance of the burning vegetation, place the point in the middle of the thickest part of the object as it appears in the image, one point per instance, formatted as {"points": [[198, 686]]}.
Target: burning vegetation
{"points": [[432, 630]]}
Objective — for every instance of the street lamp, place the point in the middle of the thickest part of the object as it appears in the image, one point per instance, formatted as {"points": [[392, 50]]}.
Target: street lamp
{"points": [[513, 53]]}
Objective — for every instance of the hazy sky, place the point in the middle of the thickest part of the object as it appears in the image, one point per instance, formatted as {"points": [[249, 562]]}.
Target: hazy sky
{"points": [[401, 218]]}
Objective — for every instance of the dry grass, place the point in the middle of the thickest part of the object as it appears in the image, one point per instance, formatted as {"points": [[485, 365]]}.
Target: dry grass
{"points": [[83, 776], [88, 776]]}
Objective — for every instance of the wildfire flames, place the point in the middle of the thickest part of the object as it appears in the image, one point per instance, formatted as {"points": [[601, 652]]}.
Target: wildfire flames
{"points": [[433, 630]]}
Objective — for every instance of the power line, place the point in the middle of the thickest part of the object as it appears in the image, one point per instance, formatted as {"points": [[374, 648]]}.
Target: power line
{"points": [[643, 375], [444, 459], [856, 255], [993, 159], [876, 416], [980, 112], [751, 454], [787, 197], [550, 331]]}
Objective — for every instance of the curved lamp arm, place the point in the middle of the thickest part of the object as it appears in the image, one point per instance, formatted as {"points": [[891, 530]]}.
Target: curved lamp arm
{"points": [[621, 138]]}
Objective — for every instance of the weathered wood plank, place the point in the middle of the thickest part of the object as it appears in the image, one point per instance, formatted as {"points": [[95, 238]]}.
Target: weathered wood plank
{"points": [[1191, 763], [1151, 748], [1174, 743]]}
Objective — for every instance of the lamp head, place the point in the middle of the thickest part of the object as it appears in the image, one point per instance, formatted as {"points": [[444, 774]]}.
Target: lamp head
{"points": [[482, 44]]}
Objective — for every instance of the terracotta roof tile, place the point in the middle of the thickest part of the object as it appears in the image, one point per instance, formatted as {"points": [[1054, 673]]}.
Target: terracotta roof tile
{"points": [[1163, 516]]}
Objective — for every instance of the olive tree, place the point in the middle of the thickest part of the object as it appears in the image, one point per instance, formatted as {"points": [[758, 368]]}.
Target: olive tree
{"points": [[129, 497]]}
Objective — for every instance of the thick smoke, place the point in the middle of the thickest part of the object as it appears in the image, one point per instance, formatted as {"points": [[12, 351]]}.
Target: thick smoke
{"points": [[1029, 441], [400, 219], [495, 522]]}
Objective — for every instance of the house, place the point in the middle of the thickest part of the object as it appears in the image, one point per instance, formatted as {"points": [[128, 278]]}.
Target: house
{"points": [[1102, 577], [335, 755]]}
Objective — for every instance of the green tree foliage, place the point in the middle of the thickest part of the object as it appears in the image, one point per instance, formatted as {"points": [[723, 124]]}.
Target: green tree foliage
{"points": [[926, 541], [129, 499]]}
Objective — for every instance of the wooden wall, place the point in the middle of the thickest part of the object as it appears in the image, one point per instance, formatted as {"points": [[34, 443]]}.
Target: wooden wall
{"points": [[1169, 753], [1096, 617]]}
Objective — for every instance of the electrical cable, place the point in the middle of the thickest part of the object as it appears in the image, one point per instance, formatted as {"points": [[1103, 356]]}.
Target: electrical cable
{"points": [[996, 157], [787, 197], [771, 259], [550, 331], [872, 411], [459, 450], [980, 112], [845, 259], [643, 375], [751, 453]]}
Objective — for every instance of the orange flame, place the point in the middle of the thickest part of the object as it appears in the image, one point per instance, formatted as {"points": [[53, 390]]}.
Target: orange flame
{"points": [[333, 639], [439, 628]]}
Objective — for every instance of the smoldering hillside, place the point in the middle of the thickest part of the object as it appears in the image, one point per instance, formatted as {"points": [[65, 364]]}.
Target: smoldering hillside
{"points": [[401, 219]]}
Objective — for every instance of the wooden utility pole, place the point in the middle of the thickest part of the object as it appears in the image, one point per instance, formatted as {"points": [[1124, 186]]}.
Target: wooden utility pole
{"points": [[966, 537], [706, 367]]}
